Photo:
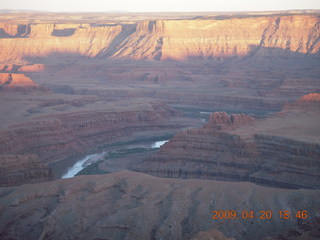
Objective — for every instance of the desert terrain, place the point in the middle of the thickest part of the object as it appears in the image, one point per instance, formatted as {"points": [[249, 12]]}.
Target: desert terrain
{"points": [[234, 97]]}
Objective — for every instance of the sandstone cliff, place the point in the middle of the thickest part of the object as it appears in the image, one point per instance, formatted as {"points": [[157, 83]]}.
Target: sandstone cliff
{"points": [[163, 39], [23, 169], [13, 80]]}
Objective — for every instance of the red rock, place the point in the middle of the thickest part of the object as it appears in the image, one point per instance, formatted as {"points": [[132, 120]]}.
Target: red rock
{"points": [[312, 97], [165, 39], [263, 152], [60, 136], [14, 80], [22, 169], [223, 121]]}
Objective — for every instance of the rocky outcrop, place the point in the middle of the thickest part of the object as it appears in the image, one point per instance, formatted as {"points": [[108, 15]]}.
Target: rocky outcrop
{"points": [[19, 83], [13, 80], [215, 152], [223, 121], [60, 136], [127, 205], [312, 97], [22, 169]]}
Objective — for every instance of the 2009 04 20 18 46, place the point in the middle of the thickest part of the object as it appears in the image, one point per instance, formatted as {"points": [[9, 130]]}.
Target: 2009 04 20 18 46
{"points": [[263, 214]]}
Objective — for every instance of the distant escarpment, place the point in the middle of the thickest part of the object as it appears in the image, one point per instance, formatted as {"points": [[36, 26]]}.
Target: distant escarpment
{"points": [[22, 169], [163, 39], [265, 60], [217, 151], [60, 136]]}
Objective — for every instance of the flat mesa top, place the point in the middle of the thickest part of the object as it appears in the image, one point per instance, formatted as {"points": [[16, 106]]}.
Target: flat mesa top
{"points": [[298, 124]]}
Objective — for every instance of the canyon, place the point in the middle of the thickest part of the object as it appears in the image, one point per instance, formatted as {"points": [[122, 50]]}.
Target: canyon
{"points": [[268, 151], [236, 95]]}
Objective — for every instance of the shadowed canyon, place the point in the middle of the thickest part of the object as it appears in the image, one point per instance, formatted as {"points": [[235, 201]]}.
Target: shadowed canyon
{"points": [[232, 98]]}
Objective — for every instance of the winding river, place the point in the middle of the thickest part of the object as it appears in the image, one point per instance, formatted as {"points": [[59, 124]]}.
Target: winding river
{"points": [[87, 160]]}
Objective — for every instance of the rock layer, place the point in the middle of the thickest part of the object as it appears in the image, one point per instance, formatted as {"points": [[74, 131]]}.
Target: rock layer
{"points": [[22, 169], [163, 39], [216, 152], [223, 121], [265, 60], [59, 136]]}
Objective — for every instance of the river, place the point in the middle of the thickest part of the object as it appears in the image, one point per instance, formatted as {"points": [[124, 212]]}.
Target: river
{"points": [[87, 160]]}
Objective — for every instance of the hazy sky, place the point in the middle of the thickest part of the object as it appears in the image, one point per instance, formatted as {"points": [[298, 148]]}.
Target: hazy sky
{"points": [[158, 5]]}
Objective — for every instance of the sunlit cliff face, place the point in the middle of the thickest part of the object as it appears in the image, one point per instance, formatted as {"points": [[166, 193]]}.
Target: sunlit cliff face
{"points": [[8, 80], [161, 39]]}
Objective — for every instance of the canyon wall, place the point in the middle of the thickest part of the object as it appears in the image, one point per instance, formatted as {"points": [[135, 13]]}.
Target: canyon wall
{"points": [[60, 136], [44, 39], [163, 39], [23, 169], [218, 151], [240, 37]]}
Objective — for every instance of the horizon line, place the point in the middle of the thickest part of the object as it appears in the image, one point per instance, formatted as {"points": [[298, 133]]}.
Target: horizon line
{"points": [[124, 11]]}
